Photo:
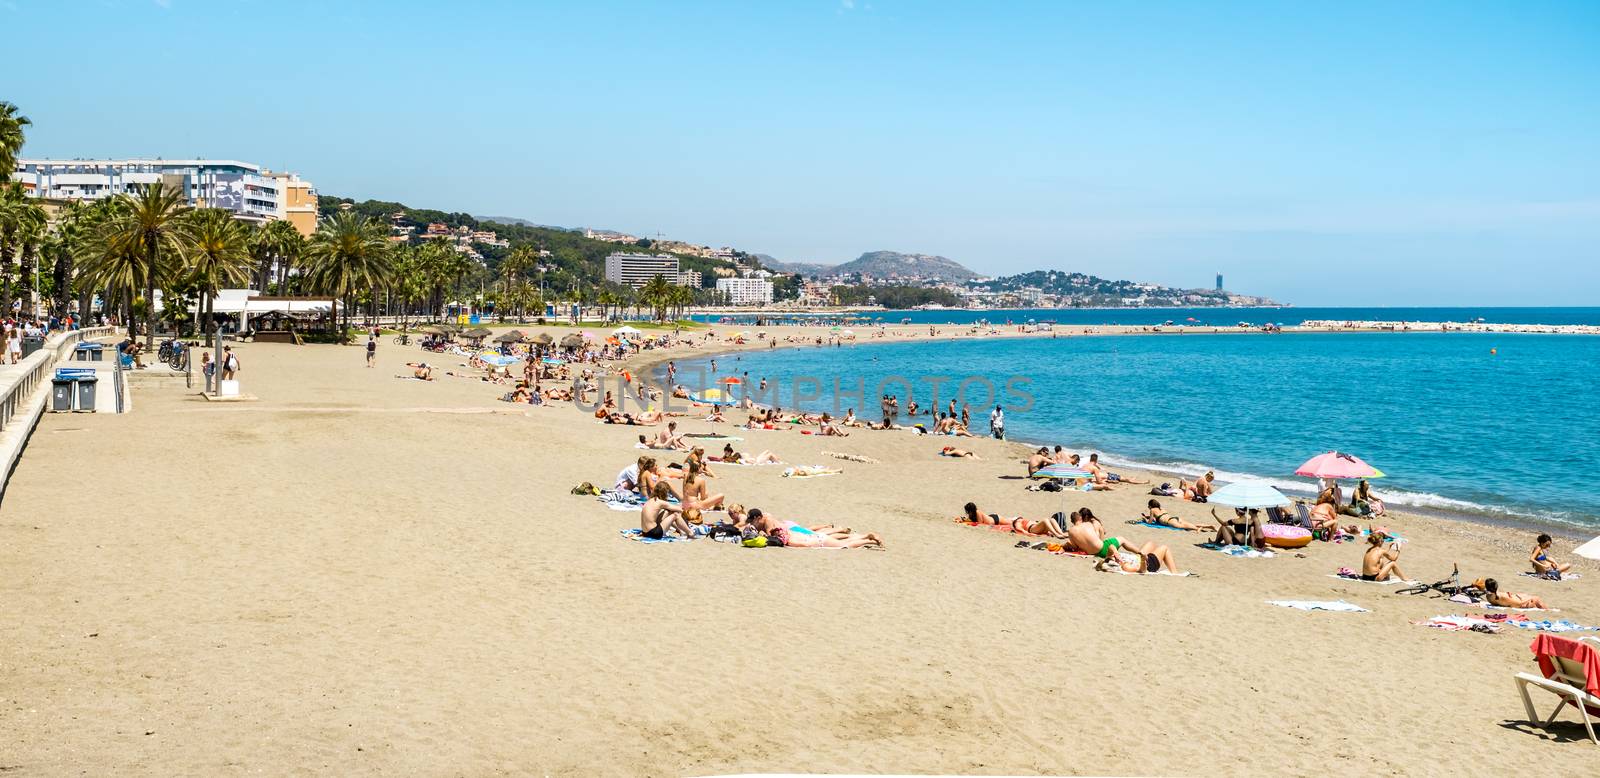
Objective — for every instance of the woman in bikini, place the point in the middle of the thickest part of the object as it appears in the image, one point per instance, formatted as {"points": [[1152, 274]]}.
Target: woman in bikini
{"points": [[1148, 558], [1155, 515], [1042, 527], [695, 492], [971, 515], [1540, 558], [1510, 599]]}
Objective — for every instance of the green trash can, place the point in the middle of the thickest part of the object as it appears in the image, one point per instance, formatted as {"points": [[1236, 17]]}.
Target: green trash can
{"points": [[30, 345], [86, 393], [61, 395]]}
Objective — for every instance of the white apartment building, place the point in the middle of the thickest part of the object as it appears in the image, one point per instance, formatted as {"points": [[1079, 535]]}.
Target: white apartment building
{"points": [[746, 291], [690, 278], [251, 192], [636, 270]]}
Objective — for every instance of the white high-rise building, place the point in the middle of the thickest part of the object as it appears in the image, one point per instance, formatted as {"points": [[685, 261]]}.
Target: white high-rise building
{"points": [[746, 291], [636, 270], [251, 192]]}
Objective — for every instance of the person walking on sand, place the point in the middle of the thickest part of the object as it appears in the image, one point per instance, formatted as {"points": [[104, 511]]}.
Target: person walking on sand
{"points": [[997, 423], [372, 350]]}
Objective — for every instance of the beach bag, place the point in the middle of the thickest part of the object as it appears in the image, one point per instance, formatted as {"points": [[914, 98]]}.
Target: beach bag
{"points": [[1050, 486], [759, 541], [586, 488]]}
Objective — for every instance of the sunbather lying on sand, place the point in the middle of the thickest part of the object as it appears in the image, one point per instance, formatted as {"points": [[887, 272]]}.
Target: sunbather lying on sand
{"points": [[1042, 527], [734, 457], [959, 453], [421, 370], [1510, 599], [972, 515], [1148, 558], [1155, 515], [658, 515]]}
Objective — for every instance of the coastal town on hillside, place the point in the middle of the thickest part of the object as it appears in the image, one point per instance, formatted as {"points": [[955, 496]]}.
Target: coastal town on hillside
{"points": [[713, 276]]}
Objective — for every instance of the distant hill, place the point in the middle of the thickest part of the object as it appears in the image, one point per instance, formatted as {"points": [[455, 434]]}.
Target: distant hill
{"points": [[803, 268], [880, 264], [893, 264], [514, 221]]}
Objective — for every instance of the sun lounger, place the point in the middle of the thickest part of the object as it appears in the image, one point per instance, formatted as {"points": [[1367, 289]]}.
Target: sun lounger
{"points": [[1571, 671]]}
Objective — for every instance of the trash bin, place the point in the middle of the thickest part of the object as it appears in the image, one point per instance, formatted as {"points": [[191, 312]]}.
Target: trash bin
{"points": [[88, 352], [60, 395], [85, 385], [30, 345]]}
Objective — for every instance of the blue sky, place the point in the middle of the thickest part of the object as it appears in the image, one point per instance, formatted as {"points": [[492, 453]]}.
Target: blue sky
{"points": [[1332, 153]]}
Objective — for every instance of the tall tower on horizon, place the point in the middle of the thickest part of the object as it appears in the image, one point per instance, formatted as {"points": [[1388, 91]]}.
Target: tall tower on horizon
{"points": [[1219, 282]]}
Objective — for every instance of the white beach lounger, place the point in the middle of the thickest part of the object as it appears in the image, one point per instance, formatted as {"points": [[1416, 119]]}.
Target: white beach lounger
{"points": [[1569, 684]]}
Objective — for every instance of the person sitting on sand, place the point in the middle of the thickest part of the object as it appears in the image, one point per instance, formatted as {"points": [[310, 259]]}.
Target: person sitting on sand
{"points": [[1039, 460], [696, 494], [421, 371], [959, 453], [1200, 490], [1243, 530], [1146, 559], [668, 438], [659, 514], [628, 480], [1364, 502], [1089, 536], [850, 419], [716, 415], [1155, 515], [1325, 518], [1381, 563], [1510, 599], [827, 428], [1540, 558]]}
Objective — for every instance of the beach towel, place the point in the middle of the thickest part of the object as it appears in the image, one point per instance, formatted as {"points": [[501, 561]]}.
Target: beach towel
{"points": [[1541, 577], [850, 457], [713, 436], [1154, 525], [498, 360], [1485, 604], [1546, 646], [1245, 552], [1359, 579], [1459, 624], [808, 471], [1119, 571], [637, 534], [1552, 625], [1319, 605]]}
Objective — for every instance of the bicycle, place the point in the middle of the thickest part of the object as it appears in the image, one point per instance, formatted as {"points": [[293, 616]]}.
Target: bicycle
{"points": [[177, 356], [1449, 587], [402, 339]]}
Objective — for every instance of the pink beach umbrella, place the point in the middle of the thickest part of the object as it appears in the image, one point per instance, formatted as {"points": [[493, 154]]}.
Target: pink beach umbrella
{"points": [[1336, 465]]}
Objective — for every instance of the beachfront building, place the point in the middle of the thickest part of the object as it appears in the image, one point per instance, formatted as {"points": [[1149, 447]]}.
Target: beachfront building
{"points": [[691, 279], [251, 192], [636, 270], [746, 291]]}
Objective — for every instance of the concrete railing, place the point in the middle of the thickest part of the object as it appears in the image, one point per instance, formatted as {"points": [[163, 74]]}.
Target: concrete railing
{"points": [[23, 392]]}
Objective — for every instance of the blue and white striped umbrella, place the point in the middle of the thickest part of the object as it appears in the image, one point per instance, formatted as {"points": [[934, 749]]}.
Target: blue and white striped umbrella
{"points": [[1249, 494], [1062, 471]]}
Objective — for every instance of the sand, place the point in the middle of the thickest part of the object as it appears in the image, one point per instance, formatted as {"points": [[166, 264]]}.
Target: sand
{"points": [[359, 574]]}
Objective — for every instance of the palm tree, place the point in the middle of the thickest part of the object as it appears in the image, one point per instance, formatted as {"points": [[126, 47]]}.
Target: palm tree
{"points": [[656, 293], [220, 256], [274, 241], [21, 222], [12, 137], [150, 234], [347, 255]]}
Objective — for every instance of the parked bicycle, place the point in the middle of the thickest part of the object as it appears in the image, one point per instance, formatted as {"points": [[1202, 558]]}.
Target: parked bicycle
{"points": [[178, 356], [402, 339], [1449, 587]]}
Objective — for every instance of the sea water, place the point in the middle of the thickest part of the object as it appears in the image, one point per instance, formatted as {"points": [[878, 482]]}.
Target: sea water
{"points": [[1499, 425], [1217, 317]]}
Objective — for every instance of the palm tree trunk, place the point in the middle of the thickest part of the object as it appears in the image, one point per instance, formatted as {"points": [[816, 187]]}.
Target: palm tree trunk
{"points": [[149, 296]]}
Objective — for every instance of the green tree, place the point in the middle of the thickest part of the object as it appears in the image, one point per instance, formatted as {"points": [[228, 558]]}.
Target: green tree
{"points": [[219, 257], [22, 228], [12, 136], [149, 233], [347, 255]]}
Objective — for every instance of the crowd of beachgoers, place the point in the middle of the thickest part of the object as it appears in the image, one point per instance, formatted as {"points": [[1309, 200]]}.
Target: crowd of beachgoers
{"points": [[1450, 326], [670, 485]]}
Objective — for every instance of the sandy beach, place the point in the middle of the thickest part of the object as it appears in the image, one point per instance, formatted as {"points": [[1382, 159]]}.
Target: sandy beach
{"points": [[363, 574]]}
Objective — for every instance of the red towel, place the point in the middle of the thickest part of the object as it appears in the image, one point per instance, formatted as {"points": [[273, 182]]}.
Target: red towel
{"points": [[1546, 646]]}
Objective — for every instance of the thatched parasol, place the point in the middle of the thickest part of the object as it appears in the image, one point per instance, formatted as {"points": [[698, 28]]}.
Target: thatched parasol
{"points": [[543, 339], [572, 341], [509, 337]]}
